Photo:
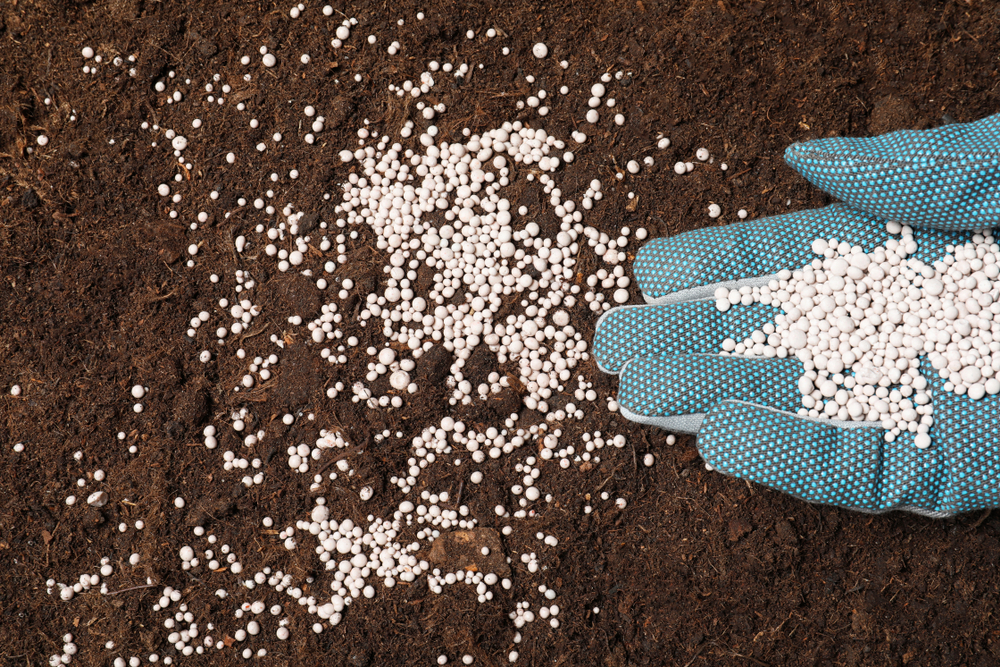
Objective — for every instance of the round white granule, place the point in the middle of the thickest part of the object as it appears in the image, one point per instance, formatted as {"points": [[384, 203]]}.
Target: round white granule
{"points": [[702, 154], [714, 210], [163, 190], [621, 296], [663, 143], [179, 502], [680, 168], [399, 380], [633, 167], [366, 493], [87, 52], [138, 391], [97, 499], [269, 60], [42, 140], [193, 249], [540, 50], [15, 390], [648, 460], [320, 513], [179, 143]]}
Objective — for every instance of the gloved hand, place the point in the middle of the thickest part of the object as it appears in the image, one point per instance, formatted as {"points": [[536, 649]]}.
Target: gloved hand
{"points": [[744, 409]]}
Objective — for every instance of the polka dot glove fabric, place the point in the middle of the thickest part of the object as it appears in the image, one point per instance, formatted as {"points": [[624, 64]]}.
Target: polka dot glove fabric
{"points": [[703, 259], [823, 462], [743, 409], [945, 178]]}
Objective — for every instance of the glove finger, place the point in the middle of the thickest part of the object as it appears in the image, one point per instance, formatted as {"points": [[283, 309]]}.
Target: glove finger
{"points": [[823, 462], [946, 178], [683, 328], [694, 264], [675, 392]]}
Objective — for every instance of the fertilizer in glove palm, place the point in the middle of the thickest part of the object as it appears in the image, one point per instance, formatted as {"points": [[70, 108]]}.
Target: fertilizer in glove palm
{"points": [[858, 321]]}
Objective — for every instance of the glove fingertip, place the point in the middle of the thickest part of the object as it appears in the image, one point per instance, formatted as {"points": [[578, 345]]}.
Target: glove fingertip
{"points": [[942, 178], [817, 462], [610, 333]]}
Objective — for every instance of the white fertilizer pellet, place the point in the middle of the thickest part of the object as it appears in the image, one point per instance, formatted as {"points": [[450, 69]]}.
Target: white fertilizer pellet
{"points": [[858, 322]]}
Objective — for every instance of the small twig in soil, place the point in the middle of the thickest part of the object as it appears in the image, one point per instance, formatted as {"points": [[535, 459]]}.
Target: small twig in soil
{"points": [[133, 588], [163, 296], [608, 479], [978, 522], [695, 656], [341, 456], [256, 333]]}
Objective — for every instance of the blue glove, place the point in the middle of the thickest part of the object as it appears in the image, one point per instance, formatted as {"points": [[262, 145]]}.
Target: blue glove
{"points": [[744, 409]]}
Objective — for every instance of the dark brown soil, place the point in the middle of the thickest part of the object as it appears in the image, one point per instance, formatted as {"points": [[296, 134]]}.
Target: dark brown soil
{"points": [[699, 569]]}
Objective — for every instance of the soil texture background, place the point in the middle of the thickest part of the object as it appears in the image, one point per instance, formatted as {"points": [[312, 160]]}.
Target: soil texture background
{"points": [[95, 296]]}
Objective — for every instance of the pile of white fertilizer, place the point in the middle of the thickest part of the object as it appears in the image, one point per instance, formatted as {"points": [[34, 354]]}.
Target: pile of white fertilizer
{"points": [[859, 323]]}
